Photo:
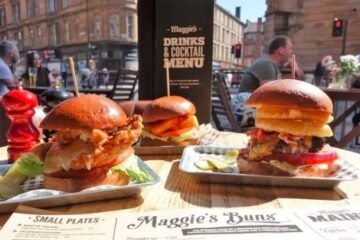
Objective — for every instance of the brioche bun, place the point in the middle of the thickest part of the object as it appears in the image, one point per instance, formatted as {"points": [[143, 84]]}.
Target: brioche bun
{"points": [[290, 93], [167, 107], [78, 184], [85, 112], [264, 168]]}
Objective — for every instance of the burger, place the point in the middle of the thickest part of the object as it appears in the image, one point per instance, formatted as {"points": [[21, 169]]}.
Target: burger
{"points": [[93, 136], [170, 120], [291, 123]]}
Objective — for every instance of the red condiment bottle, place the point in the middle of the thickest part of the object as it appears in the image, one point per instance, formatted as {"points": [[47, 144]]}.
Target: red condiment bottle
{"points": [[19, 106]]}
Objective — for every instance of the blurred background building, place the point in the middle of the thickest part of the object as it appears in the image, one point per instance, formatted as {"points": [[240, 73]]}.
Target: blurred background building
{"points": [[310, 25], [253, 41], [105, 31], [228, 31]]}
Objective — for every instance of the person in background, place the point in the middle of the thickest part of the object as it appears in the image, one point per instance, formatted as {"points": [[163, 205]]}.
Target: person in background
{"points": [[93, 78], [266, 68], [319, 73], [33, 60], [64, 73], [105, 77], [9, 55]]}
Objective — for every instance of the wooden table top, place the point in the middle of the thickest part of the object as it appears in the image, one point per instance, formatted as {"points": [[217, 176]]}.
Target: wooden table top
{"points": [[343, 94], [178, 190]]}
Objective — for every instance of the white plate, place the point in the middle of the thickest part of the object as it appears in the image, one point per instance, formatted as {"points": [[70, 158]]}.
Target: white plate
{"points": [[346, 172], [35, 196]]}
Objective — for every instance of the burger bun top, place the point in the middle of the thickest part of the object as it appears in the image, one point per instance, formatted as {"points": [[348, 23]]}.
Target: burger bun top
{"points": [[88, 111], [167, 107], [289, 93]]}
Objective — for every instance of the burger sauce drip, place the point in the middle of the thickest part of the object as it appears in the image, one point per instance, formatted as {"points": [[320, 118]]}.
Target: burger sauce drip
{"points": [[19, 106]]}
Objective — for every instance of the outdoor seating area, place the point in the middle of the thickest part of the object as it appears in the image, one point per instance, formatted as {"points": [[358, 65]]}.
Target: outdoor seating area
{"points": [[179, 120]]}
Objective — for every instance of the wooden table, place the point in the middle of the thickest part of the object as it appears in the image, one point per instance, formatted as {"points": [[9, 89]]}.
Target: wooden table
{"points": [[178, 190], [344, 94]]}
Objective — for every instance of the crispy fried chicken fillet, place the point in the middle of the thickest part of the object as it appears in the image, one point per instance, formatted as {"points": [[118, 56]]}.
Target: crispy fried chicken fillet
{"points": [[92, 135]]}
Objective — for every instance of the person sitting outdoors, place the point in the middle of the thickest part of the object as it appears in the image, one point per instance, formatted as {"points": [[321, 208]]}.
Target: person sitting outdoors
{"points": [[9, 54], [33, 60], [263, 70], [93, 78], [266, 68]]}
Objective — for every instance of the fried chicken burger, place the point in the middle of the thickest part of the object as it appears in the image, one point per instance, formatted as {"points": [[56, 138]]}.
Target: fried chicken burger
{"points": [[92, 135], [291, 123], [170, 120]]}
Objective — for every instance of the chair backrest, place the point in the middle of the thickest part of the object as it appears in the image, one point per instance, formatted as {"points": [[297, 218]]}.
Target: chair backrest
{"points": [[124, 85], [221, 110]]}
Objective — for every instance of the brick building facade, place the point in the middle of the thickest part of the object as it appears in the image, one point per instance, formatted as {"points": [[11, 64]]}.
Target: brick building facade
{"points": [[228, 31], [253, 42], [309, 24], [103, 30]]}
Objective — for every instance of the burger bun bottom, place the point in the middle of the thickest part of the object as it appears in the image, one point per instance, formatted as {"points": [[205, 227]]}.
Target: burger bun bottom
{"points": [[148, 142], [264, 168], [78, 184]]}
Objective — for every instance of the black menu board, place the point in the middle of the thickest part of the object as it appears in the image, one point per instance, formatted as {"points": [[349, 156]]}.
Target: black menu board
{"points": [[178, 35]]}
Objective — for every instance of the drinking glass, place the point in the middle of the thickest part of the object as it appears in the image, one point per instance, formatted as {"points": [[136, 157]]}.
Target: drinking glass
{"points": [[32, 76]]}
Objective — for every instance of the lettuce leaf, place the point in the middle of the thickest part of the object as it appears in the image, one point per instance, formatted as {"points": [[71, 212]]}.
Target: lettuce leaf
{"points": [[27, 165], [30, 165], [192, 133], [131, 168]]}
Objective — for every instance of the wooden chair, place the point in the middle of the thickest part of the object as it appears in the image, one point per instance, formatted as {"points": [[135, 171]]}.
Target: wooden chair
{"points": [[221, 110], [124, 85]]}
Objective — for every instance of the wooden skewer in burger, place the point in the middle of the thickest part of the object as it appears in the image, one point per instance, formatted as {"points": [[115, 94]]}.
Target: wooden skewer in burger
{"points": [[292, 119], [169, 120]]}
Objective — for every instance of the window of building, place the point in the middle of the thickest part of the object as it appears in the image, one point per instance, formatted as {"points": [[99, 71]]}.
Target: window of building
{"points": [[32, 8], [64, 3], [16, 12], [2, 17], [251, 38], [32, 40], [53, 34], [19, 39], [129, 26], [67, 32], [114, 26], [97, 28], [227, 37], [51, 6]]}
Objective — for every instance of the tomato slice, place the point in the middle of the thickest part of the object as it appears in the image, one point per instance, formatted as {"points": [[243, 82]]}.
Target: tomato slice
{"points": [[306, 158], [261, 135], [175, 133]]}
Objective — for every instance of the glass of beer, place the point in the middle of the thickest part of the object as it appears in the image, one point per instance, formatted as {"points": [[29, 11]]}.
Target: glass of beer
{"points": [[32, 76]]}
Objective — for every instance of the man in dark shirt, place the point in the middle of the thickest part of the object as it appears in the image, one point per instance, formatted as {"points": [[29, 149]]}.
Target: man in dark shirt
{"points": [[266, 68]]}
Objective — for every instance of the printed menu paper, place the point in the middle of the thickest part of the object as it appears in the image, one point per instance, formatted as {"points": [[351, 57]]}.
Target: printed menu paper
{"points": [[234, 223]]}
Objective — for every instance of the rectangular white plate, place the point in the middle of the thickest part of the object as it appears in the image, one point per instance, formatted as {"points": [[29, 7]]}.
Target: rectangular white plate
{"points": [[191, 154], [42, 198]]}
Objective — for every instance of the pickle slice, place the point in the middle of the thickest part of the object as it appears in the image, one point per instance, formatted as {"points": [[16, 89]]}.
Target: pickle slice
{"points": [[204, 165]]}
